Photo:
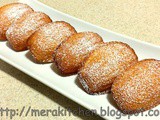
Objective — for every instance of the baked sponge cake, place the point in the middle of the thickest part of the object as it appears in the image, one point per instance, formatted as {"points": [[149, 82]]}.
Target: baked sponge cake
{"points": [[138, 88], [104, 64], [43, 43], [70, 55], [9, 13], [19, 32]]}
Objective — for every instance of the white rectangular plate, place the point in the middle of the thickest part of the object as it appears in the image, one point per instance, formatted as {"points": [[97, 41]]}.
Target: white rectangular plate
{"points": [[67, 85]]}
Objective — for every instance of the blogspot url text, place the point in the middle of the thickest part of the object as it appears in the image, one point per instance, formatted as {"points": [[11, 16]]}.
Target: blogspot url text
{"points": [[29, 111]]}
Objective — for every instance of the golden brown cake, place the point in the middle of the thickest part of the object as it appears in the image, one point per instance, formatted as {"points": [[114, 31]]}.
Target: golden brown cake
{"points": [[43, 43], [138, 89], [72, 52], [104, 64], [9, 13], [24, 27]]}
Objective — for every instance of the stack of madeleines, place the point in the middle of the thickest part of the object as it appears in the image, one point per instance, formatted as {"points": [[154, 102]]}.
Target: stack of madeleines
{"points": [[101, 67]]}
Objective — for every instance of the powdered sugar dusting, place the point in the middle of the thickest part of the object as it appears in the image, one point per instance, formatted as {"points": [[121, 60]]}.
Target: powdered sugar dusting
{"points": [[55, 33], [24, 27], [138, 89], [72, 52], [10, 13], [48, 38], [106, 63], [86, 87], [84, 44], [17, 11]]}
